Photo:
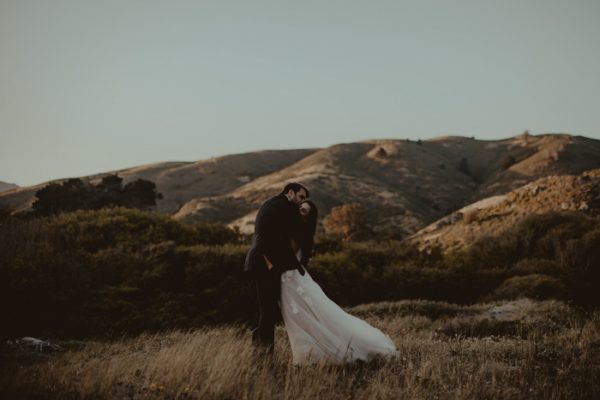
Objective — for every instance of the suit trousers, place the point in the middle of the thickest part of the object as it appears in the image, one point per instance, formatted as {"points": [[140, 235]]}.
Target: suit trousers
{"points": [[268, 290]]}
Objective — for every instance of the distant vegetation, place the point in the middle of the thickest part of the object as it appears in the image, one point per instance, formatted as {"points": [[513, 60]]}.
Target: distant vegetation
{"points": [[74, 194], [121, 271]]}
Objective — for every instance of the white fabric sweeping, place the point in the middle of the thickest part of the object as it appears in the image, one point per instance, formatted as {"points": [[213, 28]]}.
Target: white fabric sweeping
{"points": [[321, 331]]}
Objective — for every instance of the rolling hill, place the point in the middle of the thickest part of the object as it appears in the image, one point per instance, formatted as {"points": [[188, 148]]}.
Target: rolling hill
{"points": [[180, 182], [405, 185], [7, 186]]}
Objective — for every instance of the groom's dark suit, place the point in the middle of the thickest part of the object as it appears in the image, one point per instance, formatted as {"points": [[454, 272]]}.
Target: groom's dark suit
{"points": [[277, 222]]}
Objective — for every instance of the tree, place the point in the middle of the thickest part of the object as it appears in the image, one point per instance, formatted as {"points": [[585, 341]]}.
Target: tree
{"points": [[463, 166], [347, 220], [110, 183], [381, 153], [66, 196], [74, 194], [141, 194], [508, 161], [108, 192]]}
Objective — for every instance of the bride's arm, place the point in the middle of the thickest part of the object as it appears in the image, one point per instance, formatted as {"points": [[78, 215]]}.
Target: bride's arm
{"points": [[295, 249], [294, 245]]}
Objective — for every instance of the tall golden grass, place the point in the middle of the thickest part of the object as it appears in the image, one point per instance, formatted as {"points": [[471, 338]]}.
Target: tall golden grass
{"points": [[446, 352]]}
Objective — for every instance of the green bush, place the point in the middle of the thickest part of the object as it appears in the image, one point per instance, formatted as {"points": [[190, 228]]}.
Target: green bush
{"points": [[536, 236], [122, 271], [536, 266], [579, 261], [427, 308], [481, 327], [117, 271], [565, 246], [535, 286]]}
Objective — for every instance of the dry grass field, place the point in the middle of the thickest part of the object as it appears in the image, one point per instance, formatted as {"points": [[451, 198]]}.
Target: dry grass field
{"points": [[513, 350]]}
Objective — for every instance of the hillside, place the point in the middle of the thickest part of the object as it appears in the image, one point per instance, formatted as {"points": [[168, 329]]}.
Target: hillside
{"points": [[7, 186], [494, 214], [179, 182], [404, 185]]}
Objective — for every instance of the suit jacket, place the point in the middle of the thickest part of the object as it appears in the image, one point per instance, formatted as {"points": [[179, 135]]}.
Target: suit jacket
{"points": [[277, 222]]}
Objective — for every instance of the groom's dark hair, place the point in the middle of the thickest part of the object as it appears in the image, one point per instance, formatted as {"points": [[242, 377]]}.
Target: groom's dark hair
{"points": [[295, 187]]}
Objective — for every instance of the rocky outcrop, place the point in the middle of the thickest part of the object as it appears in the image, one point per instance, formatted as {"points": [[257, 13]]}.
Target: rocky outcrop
{"points": [[553, 193]]}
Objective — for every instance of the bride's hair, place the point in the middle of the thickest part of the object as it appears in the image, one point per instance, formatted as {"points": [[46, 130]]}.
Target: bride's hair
{"points": [[307, 238], [311, 219]]}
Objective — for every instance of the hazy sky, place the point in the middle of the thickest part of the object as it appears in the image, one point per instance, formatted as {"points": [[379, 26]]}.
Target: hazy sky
{"points": [[91, 86]]}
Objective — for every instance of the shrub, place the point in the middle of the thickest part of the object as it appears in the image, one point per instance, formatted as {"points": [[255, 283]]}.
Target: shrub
{"points": [[535, 286], [117, 271], [536, 236], [348, 220], [480, 327], [430, 309], [580, 268], [121, 271], [528, 266], [508, 161]]}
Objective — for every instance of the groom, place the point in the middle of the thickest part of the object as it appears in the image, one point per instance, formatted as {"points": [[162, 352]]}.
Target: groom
{"points": [[277, 221]]}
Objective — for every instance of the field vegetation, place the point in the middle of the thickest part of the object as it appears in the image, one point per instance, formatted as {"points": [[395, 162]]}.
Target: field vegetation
{"points": [[149, 307], [501, 350], [112, 272]]}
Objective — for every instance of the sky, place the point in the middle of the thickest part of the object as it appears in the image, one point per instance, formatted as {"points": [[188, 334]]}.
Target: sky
{"points": [[93, 86]]}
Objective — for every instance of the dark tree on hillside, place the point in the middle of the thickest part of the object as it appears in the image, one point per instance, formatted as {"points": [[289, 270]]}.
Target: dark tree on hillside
{"points": [[110, 183], [74, 194], [67, 196], [141, 194], [381, 153], [464, 166], [108, 192], [508, 161]]}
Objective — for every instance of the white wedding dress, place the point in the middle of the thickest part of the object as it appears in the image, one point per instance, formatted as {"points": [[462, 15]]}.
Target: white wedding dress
{"points": [[320, 331]]}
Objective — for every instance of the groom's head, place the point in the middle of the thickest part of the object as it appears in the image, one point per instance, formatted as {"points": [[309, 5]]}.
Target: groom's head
{"points": [[295, 192]]}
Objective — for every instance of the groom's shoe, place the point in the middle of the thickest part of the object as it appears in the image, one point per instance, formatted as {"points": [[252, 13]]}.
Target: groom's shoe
{"points": [[255, 337], [262, 346], [264, 355]]}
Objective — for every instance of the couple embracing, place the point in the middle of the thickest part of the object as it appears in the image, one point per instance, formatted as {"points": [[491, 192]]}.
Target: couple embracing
{"points": [[318, 329]]}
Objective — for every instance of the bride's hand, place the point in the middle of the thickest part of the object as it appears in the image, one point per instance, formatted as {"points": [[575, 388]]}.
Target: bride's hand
{"points": [[269, 263]]}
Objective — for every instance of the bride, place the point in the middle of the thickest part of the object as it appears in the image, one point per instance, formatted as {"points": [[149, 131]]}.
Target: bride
{"points": [[318, 329]]}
